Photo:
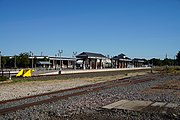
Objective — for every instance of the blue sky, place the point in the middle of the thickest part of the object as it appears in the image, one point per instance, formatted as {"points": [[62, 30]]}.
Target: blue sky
{"points": [[137, 28]]}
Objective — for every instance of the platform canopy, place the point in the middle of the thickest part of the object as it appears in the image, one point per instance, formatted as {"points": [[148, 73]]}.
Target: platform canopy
{"points": [[44, 63], [121, 57], [62, 58], [138, 60], [86, 55]]}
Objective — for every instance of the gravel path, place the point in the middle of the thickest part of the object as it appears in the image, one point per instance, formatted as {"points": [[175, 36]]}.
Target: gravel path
{"points": [[88, 107], [17, 90]]}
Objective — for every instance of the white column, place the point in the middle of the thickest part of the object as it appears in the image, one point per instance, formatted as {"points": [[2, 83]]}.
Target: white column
{"points": [[84, 64], [53, 63]]}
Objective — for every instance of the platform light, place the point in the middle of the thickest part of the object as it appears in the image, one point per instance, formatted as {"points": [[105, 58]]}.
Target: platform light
{"points": [[74, 56], [59, 54]]}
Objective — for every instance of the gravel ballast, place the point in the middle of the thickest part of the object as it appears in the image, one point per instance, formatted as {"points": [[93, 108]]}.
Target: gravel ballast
{"points": [[89, 106]]}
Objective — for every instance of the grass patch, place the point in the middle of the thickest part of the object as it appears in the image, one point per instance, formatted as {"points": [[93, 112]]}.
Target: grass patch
{"points": [[3, 78], [21, 80], [167, 69]]}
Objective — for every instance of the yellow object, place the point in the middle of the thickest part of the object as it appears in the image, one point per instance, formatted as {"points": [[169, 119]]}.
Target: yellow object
{"points": [[20, 73], [25, 73], [28, 73]]}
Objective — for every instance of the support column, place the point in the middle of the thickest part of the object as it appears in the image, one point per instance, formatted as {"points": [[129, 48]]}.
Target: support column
{"points": [[90, 63], [67, 63], [49, 66], [111, 63], [100, 63], [95, 63], [118, 64], [54, 65], [115, 63], [62, 64], [84, 64], [134, 64], [74, 64], [123, 64]]}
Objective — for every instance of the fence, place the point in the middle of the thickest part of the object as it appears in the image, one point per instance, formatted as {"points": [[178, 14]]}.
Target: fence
{"points": [[7, 73]]}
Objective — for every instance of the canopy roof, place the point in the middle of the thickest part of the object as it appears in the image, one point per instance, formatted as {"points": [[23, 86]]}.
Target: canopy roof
{"points": [[121, 57], [90, 55]]}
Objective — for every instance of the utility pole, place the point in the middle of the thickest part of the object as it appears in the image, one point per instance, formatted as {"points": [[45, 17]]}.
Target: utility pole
{"points": [[15, 61], [0, 59], [31, 54], [74, 56], [166, 63], [59, 53], [174, 61]]}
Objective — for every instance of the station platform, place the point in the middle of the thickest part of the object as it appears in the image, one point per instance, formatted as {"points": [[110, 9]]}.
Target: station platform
{"points": [[71, 71]]}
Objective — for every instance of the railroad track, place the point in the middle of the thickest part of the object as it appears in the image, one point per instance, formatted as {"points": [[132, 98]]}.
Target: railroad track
{"points": [[8, 106]]}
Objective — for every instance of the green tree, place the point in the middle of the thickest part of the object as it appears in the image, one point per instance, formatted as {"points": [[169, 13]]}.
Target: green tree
{"points": [[13, 62], [45, 59], [178, 58], [23, 60], [4, 61], [168, 62], [155, 62], [35, 61]]}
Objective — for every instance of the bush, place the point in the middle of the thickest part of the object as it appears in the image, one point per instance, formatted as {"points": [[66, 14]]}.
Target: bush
{"points": [[177, 68], [3, 78]]}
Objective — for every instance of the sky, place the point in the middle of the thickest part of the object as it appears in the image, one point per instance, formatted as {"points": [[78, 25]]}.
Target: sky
{"points": [[137, 28]]}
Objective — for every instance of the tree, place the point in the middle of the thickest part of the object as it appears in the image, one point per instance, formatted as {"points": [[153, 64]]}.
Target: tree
{"points": [[23, 60], [45, 59], [4, 61], [168, 62], [35, 60], [155, 62], [178, 58]]}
